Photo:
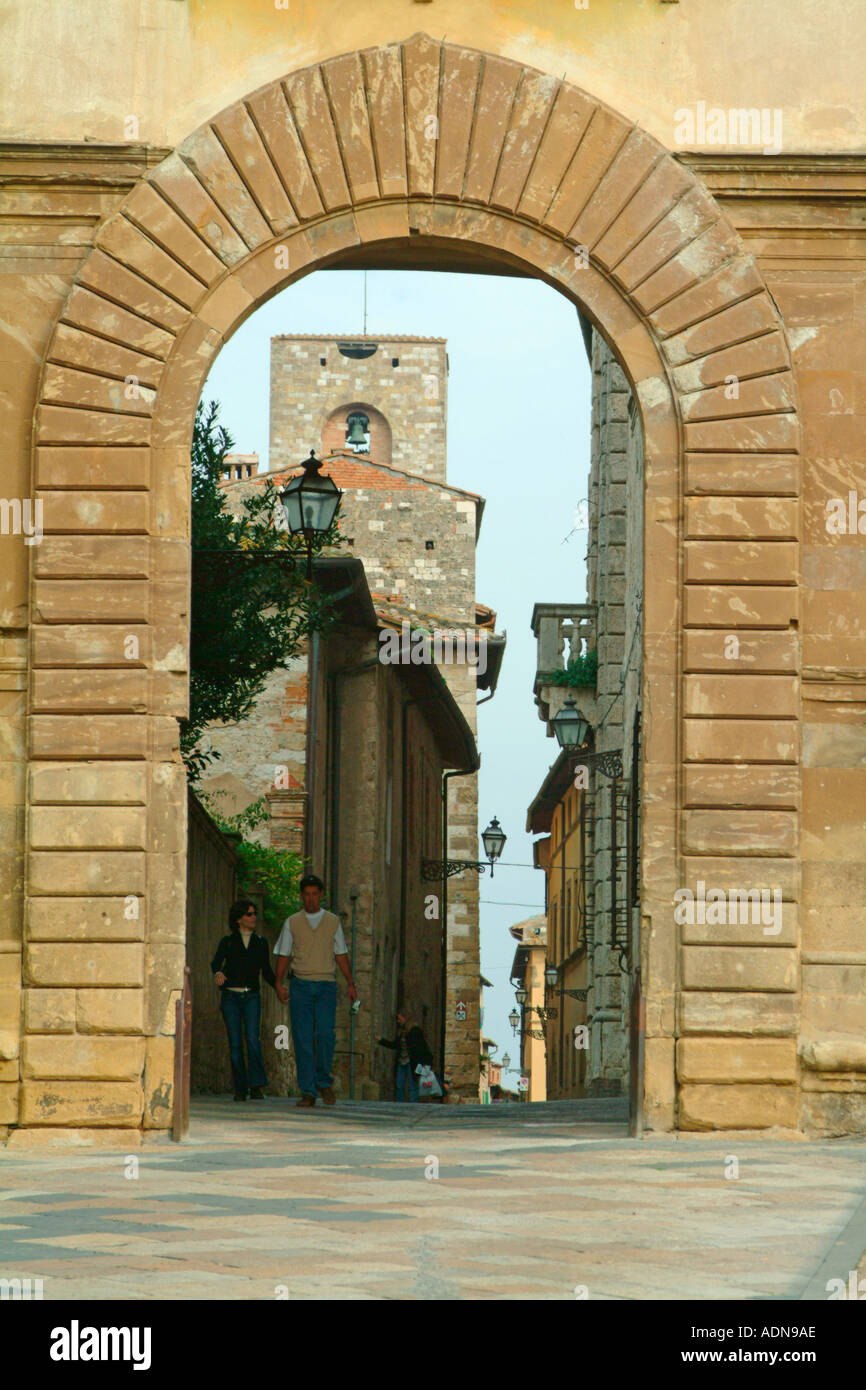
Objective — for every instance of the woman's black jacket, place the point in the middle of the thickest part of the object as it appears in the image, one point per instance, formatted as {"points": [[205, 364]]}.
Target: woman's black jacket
{"points": [[419, 1053], [242, 964]]}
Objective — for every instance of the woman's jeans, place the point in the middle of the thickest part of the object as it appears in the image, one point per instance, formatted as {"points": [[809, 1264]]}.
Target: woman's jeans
{"points": [[406, 1087], [313, 1005], [242, 1014]]}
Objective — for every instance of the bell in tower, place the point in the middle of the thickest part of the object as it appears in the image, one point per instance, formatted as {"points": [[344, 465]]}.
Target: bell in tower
{"points": [[358, 432]]}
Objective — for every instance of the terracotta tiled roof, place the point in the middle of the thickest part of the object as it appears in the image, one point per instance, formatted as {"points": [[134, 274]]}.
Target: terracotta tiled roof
{"points": [[392, 612], [354, 470]]}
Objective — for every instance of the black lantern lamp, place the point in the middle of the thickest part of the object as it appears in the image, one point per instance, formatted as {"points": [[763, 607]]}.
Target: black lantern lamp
{"points": [[514, 1019], [310, 501], [494, 838], [551, 976], [570, 727], [520, 996]]}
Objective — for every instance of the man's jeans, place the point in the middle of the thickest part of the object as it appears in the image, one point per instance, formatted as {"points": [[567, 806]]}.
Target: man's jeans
{"points": [[406, 1081], [242, 1014], [313, 1005]]}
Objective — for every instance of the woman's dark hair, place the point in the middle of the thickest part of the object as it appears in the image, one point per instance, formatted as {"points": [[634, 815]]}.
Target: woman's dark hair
{"points": [[236, 912]]}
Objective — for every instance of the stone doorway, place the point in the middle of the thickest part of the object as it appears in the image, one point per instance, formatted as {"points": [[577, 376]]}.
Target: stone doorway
{"points": [[427, 155]]}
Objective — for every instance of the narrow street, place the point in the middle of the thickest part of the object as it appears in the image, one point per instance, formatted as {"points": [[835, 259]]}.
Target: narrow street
{"points": [[543, 1202]]}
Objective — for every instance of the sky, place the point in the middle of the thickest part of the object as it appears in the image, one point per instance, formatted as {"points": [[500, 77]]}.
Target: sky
{"points": [[519, 394]]}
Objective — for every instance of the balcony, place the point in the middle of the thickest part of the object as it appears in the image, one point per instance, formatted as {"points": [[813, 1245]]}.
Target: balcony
{"points": [[566, 638]]}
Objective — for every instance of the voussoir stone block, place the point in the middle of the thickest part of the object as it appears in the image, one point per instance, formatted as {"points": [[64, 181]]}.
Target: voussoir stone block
{"points": [[97, 1103], [121, 784], [109, 1011], [91, 827], [701, 1061], [116, 1059], [9, 1092], [738, 1107], [735, 831], [63, 963], [49, 1010], [749, 1014], [770, 968], [86, 919]]}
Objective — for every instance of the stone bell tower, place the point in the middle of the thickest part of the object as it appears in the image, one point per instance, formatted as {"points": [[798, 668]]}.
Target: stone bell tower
{"points": [[394, 389]]}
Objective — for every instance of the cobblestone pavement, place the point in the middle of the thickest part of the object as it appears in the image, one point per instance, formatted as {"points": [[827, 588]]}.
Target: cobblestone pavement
{"points": [[264, 1200]]}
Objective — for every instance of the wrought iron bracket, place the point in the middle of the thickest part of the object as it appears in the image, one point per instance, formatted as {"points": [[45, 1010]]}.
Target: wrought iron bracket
{"points": [[433, 870], [608, 764], [575, 994]]}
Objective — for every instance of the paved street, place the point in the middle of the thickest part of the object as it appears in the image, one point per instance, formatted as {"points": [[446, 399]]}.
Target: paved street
{"points": [[529, 1203]]}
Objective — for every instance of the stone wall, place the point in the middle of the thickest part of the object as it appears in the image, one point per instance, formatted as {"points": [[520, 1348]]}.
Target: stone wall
{"points": [[614, 585]]}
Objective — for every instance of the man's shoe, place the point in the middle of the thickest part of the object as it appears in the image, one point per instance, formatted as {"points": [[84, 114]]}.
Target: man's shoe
{"points": [[240, 1095], [256, 1093], [306, 1102], [327, 1095]]}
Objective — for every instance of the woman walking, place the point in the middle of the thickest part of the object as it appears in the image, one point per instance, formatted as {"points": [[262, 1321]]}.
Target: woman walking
{"points": [[412, 1053], [241, 957]]}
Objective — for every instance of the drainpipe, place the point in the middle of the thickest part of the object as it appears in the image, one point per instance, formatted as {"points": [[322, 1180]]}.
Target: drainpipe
{"points": [[565, 926], [310, 751], [353, 898]]}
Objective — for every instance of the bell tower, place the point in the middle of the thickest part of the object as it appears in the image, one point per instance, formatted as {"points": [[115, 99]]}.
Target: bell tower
{"points": [[379, 397]]}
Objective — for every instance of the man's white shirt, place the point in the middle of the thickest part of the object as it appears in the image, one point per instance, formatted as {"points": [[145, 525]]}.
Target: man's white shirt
{"points": [[285, 940]]}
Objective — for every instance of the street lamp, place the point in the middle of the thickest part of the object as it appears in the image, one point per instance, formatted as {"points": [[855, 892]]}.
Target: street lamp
{"points": [[551, 975], [506, 1061], [494, 838], [570, 727], [572, 732], [514, 1019], [520, 996], [310, 501]]}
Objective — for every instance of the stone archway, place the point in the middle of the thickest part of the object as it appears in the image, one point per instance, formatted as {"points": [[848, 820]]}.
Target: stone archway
{"points": [[414, 148]]}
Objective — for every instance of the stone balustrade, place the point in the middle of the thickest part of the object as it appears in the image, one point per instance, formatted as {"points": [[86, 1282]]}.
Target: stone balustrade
{"points": [[563, 632]]}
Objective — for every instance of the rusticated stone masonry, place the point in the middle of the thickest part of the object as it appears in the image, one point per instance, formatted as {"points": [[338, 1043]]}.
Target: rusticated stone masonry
{"points": [[526, 172]]}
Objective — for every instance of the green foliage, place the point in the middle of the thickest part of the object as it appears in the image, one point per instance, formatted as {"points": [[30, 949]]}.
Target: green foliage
{"points": [[275, 873], [580, 671], [252, 605]]}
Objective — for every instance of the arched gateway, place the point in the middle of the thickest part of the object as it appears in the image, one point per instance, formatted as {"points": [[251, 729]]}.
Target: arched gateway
{"points": [[418, 153]]}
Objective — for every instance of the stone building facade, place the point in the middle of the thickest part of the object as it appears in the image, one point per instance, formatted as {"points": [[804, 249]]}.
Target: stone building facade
{"points": [[145, 218], [558, 813], [527, 973], [415, 535], [597, 813]]}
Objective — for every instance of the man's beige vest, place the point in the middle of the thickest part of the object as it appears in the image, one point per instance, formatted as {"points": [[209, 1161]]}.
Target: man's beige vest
{"points": [[313, 951]]}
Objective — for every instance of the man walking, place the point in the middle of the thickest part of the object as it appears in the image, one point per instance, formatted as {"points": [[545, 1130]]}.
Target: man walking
{"points": [[314, 940]]}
